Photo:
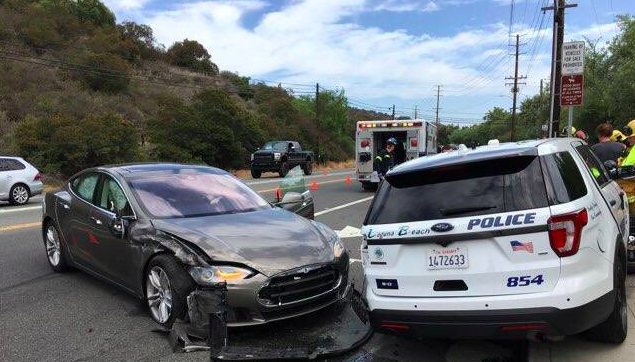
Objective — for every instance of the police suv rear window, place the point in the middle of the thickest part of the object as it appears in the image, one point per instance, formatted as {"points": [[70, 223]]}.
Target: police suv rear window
{"points": [[564, 181], [477, 188]]}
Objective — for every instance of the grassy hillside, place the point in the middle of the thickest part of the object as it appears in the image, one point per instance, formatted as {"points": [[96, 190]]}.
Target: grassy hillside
{"points": [[78, 89]]}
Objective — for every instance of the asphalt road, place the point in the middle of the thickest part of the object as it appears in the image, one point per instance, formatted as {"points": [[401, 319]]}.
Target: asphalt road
{"points": [[46, 316]]}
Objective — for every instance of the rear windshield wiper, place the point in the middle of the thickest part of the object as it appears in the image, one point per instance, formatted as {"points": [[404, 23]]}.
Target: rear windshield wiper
{"points": [[464, 210]]}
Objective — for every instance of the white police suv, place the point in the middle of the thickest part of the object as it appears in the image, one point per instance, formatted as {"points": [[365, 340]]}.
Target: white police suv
{"points": [[517, 240]]}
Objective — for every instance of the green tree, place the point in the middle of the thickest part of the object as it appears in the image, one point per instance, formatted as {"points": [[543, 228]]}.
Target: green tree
{"points": [[60, 145], [94, 12], [191, 54]]}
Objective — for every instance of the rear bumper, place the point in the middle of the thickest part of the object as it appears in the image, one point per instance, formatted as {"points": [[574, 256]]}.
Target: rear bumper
{"points": [[497, 324], [36, 188]]}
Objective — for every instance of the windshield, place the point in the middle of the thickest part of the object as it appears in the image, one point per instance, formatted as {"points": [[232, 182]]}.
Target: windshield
{"points": [[196, 193], [277, 146], [461, 190]]}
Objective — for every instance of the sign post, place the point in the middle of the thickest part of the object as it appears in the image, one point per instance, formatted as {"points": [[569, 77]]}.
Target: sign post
{"points": [[572, 82]]}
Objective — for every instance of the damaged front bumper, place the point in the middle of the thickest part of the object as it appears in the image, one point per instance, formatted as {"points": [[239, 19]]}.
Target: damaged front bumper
{"points": [[332, 331]]}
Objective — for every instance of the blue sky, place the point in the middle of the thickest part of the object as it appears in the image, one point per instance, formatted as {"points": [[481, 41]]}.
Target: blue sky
{"points": [[381, 52]]}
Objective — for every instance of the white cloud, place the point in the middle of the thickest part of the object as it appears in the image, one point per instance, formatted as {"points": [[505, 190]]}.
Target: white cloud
{"points": [[126, 5], [409, 5], [307, 41], [312, 40]]}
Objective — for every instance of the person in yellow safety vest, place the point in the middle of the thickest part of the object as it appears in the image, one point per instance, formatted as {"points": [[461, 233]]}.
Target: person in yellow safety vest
{"points": [[629, 132], [628, 185], [385, 159]]}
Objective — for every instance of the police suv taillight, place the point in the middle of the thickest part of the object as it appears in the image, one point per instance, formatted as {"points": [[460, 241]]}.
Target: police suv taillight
{"points": [[365, 143], [565, 232]]}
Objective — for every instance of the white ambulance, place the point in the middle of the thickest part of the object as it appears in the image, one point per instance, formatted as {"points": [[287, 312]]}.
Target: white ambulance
{"points": [[415, 138]]}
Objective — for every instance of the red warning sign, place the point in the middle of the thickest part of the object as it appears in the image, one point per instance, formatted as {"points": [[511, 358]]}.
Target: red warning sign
{"points": [[572, 90]]}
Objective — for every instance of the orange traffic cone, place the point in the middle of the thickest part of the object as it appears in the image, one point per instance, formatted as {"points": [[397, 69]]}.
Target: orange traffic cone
{"points": [[314, 186], [348, 180], [279, 194]]}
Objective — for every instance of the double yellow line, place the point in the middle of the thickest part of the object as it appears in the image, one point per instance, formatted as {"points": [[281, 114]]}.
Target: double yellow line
{"points": [[20, 226]]}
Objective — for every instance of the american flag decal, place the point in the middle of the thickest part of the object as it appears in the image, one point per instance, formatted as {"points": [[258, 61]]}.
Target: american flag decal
{"points": [[517, 246]]}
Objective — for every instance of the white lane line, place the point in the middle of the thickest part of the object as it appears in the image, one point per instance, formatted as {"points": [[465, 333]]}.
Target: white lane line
{"points": [[19, 209], [349, 232], [340, 173], [344, 206]]}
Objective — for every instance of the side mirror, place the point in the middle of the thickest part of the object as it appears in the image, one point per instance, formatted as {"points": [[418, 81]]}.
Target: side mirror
{"points": [[299, 203]]}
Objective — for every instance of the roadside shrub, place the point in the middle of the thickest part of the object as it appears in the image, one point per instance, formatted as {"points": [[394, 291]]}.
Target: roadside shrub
{"points": [[61, 145], [106, 73]]}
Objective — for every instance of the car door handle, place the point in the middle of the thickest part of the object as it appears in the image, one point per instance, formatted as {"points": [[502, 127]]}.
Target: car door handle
{"points": [[65, 206], [613, 202], [96, 220]]}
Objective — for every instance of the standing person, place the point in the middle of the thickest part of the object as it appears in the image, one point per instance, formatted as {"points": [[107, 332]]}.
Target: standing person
{"points": [[385, 159], [629, 132], [606, 149]]}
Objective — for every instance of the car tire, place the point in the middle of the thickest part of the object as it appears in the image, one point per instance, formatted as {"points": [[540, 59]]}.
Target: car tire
{"points": [[615, 328], [19, 194], [55, 250], [256, 173], [167, 285], [284, 169], [308, 168]]}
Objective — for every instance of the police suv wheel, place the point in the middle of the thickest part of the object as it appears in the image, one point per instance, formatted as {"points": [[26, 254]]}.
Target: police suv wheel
{"points": [[615, 328], [256, 173]]}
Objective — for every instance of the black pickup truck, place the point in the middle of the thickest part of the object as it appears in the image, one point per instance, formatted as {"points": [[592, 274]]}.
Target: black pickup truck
{"points": [[280, 157]]}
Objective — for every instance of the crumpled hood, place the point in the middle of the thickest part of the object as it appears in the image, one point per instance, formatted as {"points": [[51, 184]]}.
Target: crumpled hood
{"points": [[269, 241]]}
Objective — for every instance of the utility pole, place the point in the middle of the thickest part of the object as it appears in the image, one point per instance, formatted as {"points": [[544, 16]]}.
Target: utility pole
{"points": [[415, 112], [317, 119], [515, 88], [556, 64], [539, 120], [437, 110], [393, 111]]}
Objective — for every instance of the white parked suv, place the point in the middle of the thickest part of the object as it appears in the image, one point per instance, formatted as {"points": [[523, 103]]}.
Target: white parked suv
{"points": [[18, 180], [516, 240]]}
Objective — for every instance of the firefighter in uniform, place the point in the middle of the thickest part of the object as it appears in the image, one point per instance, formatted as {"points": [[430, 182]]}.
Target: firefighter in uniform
{"points": [[628, 184], [385, 159]]}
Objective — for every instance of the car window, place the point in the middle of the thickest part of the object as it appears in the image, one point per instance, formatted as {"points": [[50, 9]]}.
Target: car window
{"points": [[84, 186], [113, 198], [563, 178], [276, 146], [197, 193], [594, 166], [478, 188], [9, 164]]}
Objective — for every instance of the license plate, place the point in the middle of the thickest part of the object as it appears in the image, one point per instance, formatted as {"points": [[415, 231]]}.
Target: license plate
{"points": [[447, 258]]}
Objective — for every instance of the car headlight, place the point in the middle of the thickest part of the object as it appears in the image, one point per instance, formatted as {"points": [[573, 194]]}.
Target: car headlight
{"points": [[276, 156], [217, 274], [338, 247], [252, 156]]}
